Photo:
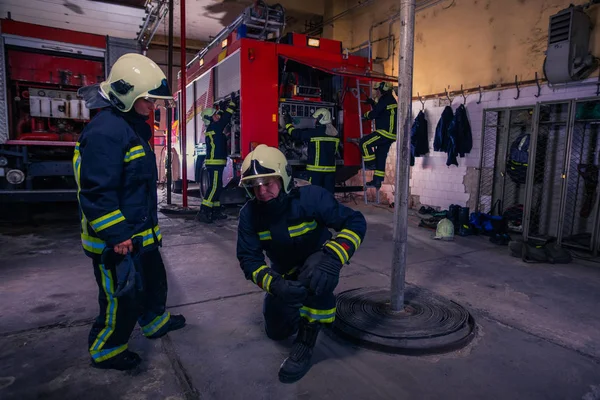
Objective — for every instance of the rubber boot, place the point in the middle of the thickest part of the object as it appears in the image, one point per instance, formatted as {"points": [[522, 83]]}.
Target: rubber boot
{"points": [[453, 213], [175, 322], [299, 361], [204, 215], [463, 221], [217, 214], [122, 362]]}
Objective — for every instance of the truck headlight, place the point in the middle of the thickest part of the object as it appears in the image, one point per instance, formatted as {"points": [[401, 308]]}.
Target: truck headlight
{"points": [[15, 176], [3, 161]]}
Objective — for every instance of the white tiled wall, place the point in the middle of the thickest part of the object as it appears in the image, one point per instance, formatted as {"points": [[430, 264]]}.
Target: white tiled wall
{"points": [[438, 185]]}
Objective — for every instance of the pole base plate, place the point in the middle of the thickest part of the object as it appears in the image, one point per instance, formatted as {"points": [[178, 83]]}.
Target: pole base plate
{"points": [[429, 323]]}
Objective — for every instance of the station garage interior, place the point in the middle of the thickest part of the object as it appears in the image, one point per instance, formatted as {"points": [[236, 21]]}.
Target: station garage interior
{"points": [[317, 199]]}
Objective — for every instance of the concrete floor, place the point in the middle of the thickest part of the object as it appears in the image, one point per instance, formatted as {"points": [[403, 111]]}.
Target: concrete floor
{"points": [[538, 331]]}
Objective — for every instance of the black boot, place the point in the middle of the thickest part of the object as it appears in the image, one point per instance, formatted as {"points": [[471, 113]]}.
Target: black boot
{"points": [[217, 214], [122, 362], [453, 214], [204, 215], [463, 222], [175, 322], [298, 363]]}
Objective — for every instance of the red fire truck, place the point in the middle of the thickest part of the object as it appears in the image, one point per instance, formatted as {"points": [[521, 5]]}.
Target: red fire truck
{"points": [[41, 116], [273, 74]]}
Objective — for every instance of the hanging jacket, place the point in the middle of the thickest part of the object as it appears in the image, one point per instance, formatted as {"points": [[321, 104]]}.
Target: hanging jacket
{"points": [[321, 147], [115, 171], [459, 133], [419, 142], [384, 114], [441, 140], [298, 230], [215, 138]]}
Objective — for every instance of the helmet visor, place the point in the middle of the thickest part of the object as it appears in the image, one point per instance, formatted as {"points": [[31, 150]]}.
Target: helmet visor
{"points": [[166, 103], [250, 183]]}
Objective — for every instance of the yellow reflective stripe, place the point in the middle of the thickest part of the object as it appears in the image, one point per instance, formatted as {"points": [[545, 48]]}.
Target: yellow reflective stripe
{"points": [[314, 315], [366, 115], [108, 220], [215, 162], [134, 152], [317, 153], [392, 113], [386, 134], [147, 237], [208, 201], [229, 110], [110, 319], [352, 234], [301, 229], [381, 174], [255, 273], [266, 283], [92, 244], [212, 145], [392, 106], [324, 139], [103, 355], [265, 235], [156, 324], [317, 168], [339, 250], [365, 147], [157, 232], [291, 271]]}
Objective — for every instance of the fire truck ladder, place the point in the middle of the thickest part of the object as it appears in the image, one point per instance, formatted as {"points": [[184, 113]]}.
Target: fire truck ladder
{"points": [[358, 92]]}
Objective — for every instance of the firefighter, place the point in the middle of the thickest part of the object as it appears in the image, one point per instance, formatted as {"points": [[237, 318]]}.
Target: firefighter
{"points": [[216, 158], [291, 224], [384, 113], [323, 143], [116, 174]]}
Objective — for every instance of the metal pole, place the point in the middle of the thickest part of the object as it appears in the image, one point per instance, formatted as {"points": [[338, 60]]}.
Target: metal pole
{"points": [[169, 113], [405, 79], [183, 111]]}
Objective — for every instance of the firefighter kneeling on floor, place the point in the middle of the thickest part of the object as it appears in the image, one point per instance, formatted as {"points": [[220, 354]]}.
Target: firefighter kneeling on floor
{"points": [[384, 114], [216, 158], [323, 142], [291, 224], [115, 170]]}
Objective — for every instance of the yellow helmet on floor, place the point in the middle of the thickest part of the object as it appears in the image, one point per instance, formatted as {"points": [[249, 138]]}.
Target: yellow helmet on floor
{"points": [[264, 162], [383, 86], [322, 115], [134, 76], [207, 114], [444, 230]]}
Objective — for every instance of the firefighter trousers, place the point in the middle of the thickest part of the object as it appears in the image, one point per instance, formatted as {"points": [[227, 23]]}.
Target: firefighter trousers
{"points": [[282, 319], [374, 148], [215, 176], [324, 179], [118, 315]]}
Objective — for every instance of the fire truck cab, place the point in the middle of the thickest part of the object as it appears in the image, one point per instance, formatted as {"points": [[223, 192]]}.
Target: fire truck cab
{"points": [[273, 74]]}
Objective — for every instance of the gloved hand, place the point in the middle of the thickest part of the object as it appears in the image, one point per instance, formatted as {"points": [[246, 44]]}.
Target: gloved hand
{"points": [[290, 292], [321, 272], [234, 98], [287, 118], [371, 102]]}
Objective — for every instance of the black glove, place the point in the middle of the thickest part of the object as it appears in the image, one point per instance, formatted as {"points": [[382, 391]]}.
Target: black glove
{"points": [[371, 102], [223, 105], [287, 119], [234, 98], [321, 272], [290, 292]]}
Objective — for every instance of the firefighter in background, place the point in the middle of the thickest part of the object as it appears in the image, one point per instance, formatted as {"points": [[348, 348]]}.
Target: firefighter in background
{"points": [[116, 174], [216, 158], [323, 142], [376, 145], [291, 224]]}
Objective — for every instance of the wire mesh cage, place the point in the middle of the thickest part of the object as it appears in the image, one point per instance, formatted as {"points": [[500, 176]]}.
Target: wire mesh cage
{"points": [[548, 160], [502, 174], [581, 200]]}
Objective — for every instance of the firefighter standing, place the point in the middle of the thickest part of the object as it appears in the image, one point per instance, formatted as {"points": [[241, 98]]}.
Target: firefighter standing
{"points": [[323, 142], [292, 226], [216, 158], [384, 114], [115, 170]]}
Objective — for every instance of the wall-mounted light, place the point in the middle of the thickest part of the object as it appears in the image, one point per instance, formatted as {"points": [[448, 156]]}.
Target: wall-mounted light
{"points": [[201, 62], [312, 42], [224, 44]]}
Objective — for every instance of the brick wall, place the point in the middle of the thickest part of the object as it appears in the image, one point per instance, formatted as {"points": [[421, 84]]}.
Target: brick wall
{"points": [[435, 184]]}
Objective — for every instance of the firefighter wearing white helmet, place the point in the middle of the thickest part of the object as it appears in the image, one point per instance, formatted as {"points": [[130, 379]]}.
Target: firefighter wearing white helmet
{"points": [[216, 157], [376, 145], [323, 143], [115, 170], [292, 226]]}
